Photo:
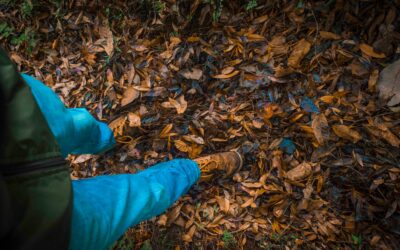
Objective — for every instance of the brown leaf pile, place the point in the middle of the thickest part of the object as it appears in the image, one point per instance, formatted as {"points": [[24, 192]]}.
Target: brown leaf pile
{"points": [[291, 83]]}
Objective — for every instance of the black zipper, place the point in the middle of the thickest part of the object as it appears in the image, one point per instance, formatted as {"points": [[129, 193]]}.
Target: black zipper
{"points": [[8, 170]]}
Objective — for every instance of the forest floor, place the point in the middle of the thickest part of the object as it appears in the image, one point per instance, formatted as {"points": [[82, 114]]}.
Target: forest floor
{"points": [[293, 84]]}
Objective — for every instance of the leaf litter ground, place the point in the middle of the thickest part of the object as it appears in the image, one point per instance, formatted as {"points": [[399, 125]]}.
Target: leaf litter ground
{"points": [[292, 84]]}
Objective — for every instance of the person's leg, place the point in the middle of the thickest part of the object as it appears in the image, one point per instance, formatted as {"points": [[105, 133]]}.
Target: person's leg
{"points": [[104, 207]]}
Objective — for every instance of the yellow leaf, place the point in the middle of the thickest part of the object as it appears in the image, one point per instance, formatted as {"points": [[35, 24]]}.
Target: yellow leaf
{"points": [[299, 52], [327, 98], [181, 146], [368, 50], [193, 39], [346, 132], [165, 132], [223, 76]]}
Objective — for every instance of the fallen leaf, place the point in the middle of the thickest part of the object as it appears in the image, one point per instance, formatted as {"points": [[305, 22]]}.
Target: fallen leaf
{"points": [[329, 35], [347, 133], [369, 50], [106, 33], [373, 79], [189, 235], [110, 77], [302, 171], [194, 74], [117, 125], [134, 120], [181, 146], [227, 70], [180, 104], [165, 132], [320, 128], [299, 52], [223, 76], [129, 96], [193, 138]]}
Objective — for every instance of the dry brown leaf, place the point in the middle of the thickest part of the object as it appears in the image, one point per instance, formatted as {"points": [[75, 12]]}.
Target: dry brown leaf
{"points": [[117, 125], [139, 48], [302, 171], [134, 120], [347, 133], [373, 79], [223, 203], [106, 33], [189, 235], [299, 52], [329, 35], [110, 76], [129, 96], [260, 19], [327, 99], [162, 220], [193, 74], [193, 138], [180, 104], [247, 203], [181, 146], [369, 51], [320, 127], [222, 76], [255, 37], [131, 74], [165, 132], [227, 70]]}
